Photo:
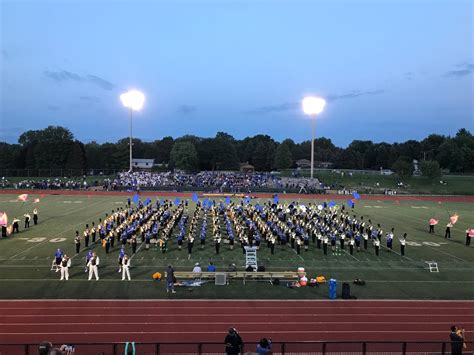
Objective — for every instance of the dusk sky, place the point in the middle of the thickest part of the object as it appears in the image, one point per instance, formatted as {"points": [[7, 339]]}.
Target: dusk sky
{"points": [[390, 70]]}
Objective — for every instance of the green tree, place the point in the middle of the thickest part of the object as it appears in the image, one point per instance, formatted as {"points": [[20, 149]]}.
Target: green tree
{"points": [[76, 158], [430, 169], [184, 156], [403, 167], [283, 158]]}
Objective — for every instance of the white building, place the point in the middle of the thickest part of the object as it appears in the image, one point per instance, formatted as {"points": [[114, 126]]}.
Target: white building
{"points": [[143, 163]]}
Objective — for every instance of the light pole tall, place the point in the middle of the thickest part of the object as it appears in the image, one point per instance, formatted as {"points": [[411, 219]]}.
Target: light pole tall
{"points": [[313, 106], [134, 101]]}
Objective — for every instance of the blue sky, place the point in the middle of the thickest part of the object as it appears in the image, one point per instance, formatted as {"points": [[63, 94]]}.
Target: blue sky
{"points": [[391, 70]]}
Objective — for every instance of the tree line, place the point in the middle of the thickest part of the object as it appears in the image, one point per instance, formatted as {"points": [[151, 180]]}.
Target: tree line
{"points": [[56, 148]]}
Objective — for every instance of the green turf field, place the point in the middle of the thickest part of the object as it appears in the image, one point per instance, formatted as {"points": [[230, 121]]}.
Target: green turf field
{"points": [[25, 258]]}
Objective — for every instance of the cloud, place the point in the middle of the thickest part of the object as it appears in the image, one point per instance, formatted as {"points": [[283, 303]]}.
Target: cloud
{"points": [[465, 69], [64, 76], [186, 109], [290, 106]]}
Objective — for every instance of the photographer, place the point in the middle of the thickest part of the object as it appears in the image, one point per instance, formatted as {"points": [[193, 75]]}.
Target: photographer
{"points": [[457, 340], [233, 342], [264, 347]]}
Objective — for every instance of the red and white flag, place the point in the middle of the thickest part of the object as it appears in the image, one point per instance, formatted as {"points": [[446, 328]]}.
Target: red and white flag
{"points": [[23, 197], [433, 222], [470, 232], [36, 200], [454, 218], [3, 219]]}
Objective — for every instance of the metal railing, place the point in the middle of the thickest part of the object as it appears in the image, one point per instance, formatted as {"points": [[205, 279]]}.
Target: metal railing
{"points": [[307, 347]]}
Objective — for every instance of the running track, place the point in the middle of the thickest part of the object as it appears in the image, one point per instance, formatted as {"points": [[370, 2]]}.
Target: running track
{"points": [[75, 321]]}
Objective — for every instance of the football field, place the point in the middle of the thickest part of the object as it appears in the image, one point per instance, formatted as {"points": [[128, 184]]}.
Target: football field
{"points": [[26, 258]]}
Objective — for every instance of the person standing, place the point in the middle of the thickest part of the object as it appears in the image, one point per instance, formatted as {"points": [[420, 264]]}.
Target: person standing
{"points": [[35, 216], [126, 268], [77, 242], [447, 233], [65, 265], [120, 258], [218, 244], [107, 244], [468, 237], [457, 340], [390, 239], [93, 232], [366, 240], [88, 257], [432, 224], [325, 244], [233, 342], [190, 246], [16, 225], [402, 244], [134, 244], [377, 246], [351, 245], [170, 279], [27, 220], [93, 267], [58, 257]]}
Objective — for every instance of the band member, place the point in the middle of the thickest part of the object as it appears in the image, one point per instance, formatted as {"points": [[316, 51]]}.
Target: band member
{"points": [[366, 240], [77, 242], [272, 244], [325, 244], [402, 244], [58, 257], [65, 265], [16, 225], [35, 216], [377, 246], [93, 232], [390, 239], [468, 237], [93, 266], [447, 234], [190, 246], [86, 236], [134, 244], [351, 246], [432, 224], [120, 258], [126, 268], [27, 220], [218, 244], [88, 257]]}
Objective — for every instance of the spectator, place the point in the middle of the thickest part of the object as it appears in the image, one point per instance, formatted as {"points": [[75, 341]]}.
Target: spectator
{"points": [[44, 348], [233, 342], [264, 347], [211, 267], [197, 268], [457, 340]]}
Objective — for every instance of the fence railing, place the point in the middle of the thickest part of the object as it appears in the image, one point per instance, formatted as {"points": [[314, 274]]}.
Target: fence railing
{"points": [[308, 347]]}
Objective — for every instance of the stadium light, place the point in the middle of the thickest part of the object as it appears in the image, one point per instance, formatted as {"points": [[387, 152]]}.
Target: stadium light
{"points": [[313, 106], [133, 100]]}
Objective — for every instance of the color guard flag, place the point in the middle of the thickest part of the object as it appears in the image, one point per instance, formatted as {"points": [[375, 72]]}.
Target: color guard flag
{"points": [[135, 198], [350, 203], [454, 218], [195, 197], [247, 200], [227, 200], [3, 219], [356, 195], [177, 201], [147, 201], [332, 204], [275, 199], [470, 232], [23, 197], [36, 200], [10, 229], [433, 222]]}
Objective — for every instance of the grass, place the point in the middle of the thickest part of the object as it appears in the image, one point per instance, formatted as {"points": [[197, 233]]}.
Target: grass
{"points": [[25, 258]]}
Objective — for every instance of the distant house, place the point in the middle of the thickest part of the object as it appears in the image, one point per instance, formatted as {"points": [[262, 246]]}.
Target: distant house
{"points": [[143, 163], [246, 168], [323, 164], [303, 163]]}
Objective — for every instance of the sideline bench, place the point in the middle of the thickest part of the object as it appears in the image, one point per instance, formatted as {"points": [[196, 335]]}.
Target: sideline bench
{"points": [[244, 275]]}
